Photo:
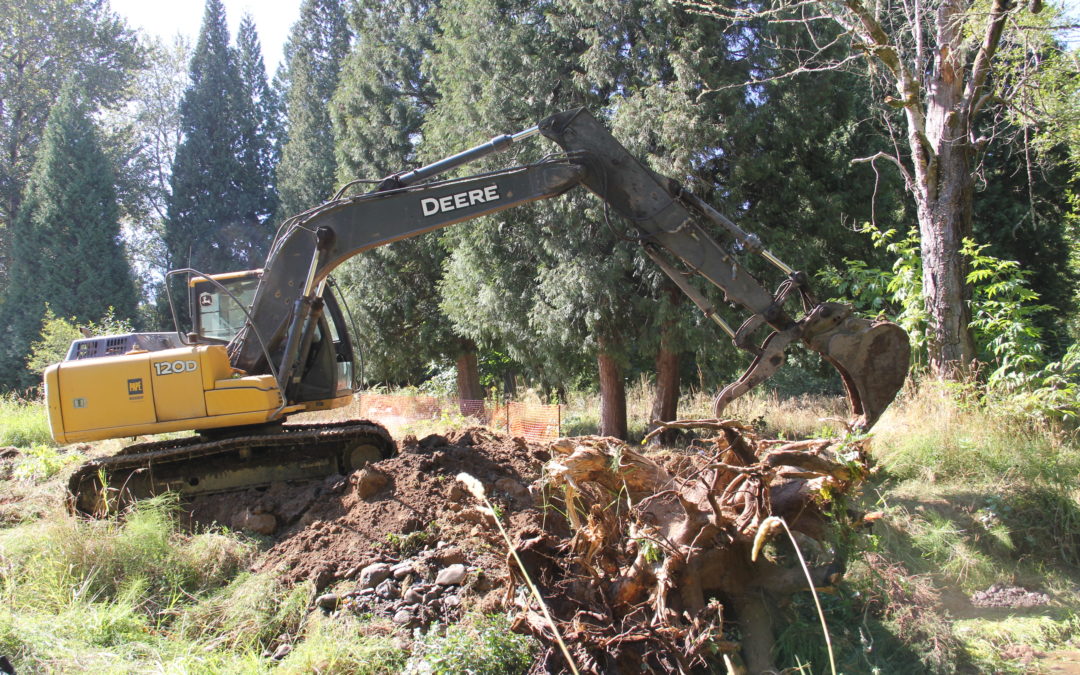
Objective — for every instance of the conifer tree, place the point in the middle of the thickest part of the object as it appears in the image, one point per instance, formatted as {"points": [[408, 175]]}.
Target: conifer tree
{"points": [[377, 113], [67, 248], [210, 224], [257, 125], [43, 43], [552, 282], [317, 45]]}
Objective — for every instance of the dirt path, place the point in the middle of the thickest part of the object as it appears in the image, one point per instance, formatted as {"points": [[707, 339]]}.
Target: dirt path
{"points": [[1064, 662]]}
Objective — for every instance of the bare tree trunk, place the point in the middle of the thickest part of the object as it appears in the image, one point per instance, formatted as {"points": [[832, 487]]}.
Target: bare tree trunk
{"points": [[612, 395], [468, 377], [942, 152], [665, 404], [943, 226]]}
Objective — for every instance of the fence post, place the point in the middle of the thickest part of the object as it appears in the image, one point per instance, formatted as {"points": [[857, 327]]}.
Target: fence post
{"points": [[558, 413]]}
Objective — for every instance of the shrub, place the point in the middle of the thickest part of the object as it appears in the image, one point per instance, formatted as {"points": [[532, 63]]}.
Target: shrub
{"points": [[481, 645]]}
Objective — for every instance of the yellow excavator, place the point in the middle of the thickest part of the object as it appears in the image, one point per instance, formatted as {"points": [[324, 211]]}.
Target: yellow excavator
{"points": [[266, 344]]}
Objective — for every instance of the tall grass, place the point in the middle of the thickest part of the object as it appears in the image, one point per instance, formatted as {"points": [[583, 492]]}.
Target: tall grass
{"points": [[23, 423], [777, 416], [930, 436], [73, 588]]}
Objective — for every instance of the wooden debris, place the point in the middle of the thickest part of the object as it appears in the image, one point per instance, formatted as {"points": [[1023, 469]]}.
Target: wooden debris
{"points": [[661, 565]]}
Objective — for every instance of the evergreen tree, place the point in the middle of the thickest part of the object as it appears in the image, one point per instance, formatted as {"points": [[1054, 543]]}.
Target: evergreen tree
{"points": [[67, 249], [257, 125], [317, 45], [210, 225], [554, 282], [42, 44], [511, 279], [377, 112]]}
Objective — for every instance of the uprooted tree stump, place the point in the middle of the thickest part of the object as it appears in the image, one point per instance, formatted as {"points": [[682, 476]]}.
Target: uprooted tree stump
{"points": [[661, 564]]}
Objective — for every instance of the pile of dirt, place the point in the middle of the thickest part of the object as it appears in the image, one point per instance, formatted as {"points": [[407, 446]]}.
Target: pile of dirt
{"points": [[408, 509], [1003, 595], [652, 563]]}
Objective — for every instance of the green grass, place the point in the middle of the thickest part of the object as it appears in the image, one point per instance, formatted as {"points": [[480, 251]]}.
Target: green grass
{"points": [[988, 641], [23, 423], [344, 645], [74, 591], [930, 437], [249, 614], [483, 645]]}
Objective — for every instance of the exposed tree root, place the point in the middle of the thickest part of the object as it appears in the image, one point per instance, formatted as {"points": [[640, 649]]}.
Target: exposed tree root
{"points": [[657, 574]]}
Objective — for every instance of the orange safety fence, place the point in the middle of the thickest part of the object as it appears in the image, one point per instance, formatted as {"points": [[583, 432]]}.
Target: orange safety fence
{"points": [[533, 422]]}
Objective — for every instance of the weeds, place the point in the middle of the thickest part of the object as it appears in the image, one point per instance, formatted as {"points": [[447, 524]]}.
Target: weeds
{"points": [[23, 423], [1009, 646], [40, 462], [249, 614], [70, 586], [339, 645], [482, 645]]}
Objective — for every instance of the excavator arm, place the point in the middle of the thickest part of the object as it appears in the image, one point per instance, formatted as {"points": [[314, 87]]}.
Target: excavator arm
{"points": [[670, 222]]}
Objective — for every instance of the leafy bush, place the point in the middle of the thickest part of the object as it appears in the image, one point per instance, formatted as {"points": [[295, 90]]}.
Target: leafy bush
{"points": [[896, 293], [40, 462], [481, 645], [57, 334], [1003, 309]]}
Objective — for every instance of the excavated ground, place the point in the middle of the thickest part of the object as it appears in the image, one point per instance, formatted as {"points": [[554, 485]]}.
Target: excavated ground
{"points": [[408, 514]]}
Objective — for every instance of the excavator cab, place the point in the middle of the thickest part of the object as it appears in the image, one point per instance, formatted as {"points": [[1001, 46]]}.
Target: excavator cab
{"points": [[219, 306]]}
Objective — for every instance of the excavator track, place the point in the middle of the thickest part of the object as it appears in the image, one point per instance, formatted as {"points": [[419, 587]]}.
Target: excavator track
{"points": [[198, 465]]}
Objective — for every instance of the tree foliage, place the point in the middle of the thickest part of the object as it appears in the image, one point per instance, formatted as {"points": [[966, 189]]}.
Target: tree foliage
{"points": [[213, 221], [257, 125], [317, 45], [68, 252], [42, 44], [377, 113], [941, 61]]}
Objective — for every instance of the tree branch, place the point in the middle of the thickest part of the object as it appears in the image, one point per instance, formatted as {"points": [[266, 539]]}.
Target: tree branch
{"points": [[981, 68], [884, 155]]}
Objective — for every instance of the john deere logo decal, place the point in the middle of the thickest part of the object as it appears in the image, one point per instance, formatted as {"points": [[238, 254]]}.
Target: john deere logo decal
{"points": [[135, 388]]}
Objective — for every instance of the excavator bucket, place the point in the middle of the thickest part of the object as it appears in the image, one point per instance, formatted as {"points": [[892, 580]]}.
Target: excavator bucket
{"points": [[872, 357]]}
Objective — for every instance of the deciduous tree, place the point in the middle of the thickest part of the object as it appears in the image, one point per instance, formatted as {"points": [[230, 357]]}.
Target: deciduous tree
{"points": [[938, 59]]}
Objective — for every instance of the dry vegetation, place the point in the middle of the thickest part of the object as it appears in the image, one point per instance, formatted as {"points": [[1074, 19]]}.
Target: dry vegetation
{"points": [[968, 500]]}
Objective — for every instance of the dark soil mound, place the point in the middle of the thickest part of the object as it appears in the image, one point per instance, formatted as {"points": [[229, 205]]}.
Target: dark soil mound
{"points": [[391, 511]]}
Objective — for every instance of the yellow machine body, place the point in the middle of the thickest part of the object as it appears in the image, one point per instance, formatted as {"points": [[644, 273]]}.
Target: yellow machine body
{"points": [[153, 392]]}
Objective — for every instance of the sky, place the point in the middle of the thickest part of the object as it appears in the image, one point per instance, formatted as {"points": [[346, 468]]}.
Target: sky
{"points": [[273, 19]]}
